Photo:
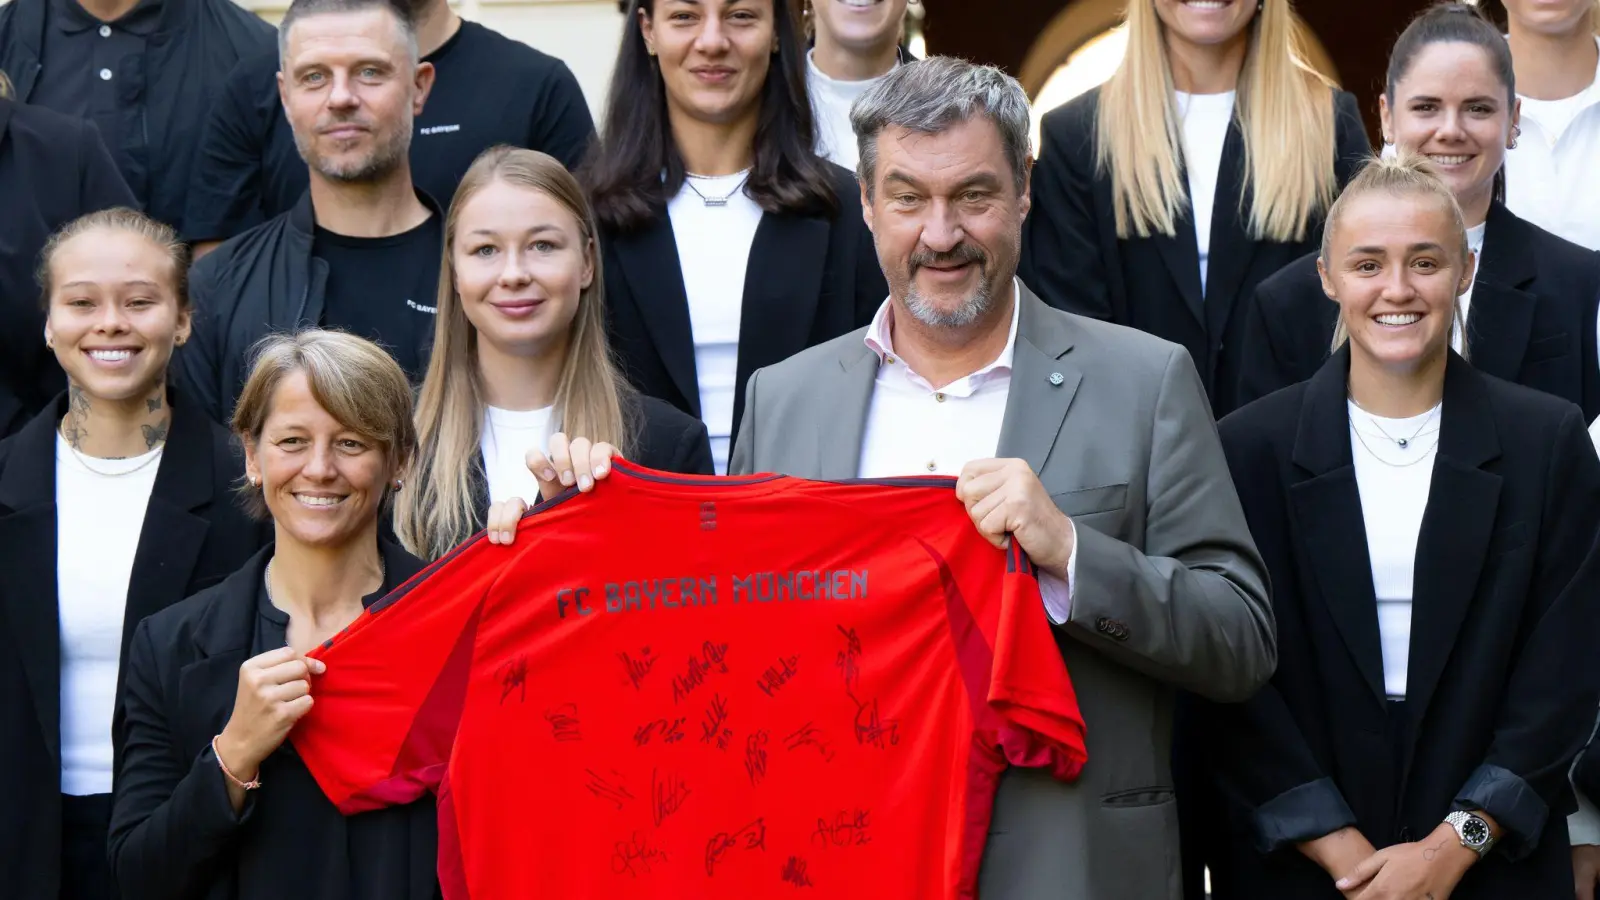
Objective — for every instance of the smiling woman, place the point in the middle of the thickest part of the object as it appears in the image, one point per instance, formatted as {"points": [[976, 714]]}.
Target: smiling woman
{"points": [[114, 503], [1402, 502], [325, 420], [1451, 97]]}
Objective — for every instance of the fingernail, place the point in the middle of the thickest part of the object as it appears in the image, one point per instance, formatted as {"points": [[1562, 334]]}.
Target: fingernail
{"points": [[566, 478], [585, 483], [1343, 884], [600, 470]]}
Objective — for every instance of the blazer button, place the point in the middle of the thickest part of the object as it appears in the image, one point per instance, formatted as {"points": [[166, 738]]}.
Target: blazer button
{"points": [[1103, 625]]}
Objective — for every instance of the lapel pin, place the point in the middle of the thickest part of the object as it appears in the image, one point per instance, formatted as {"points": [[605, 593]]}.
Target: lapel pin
{"points": [[1056, 378]]}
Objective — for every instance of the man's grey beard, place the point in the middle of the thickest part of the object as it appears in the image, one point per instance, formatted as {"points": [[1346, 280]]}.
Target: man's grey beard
{"points": [[385, 158], [970, 310]]}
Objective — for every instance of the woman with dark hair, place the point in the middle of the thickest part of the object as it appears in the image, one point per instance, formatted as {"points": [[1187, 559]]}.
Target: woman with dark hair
{"points": [[116, 501], [1164, 196], [1430, 535], [729, 244], [1530, 312], [211, 803]]}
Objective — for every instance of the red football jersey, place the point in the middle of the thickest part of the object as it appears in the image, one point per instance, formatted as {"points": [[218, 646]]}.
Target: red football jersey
{"points": [[684, 687]]}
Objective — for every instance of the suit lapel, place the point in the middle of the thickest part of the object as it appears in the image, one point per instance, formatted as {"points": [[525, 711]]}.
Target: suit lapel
{"points": [[1043, 385], [173, 535], [1182, 255], [1462, 502], [1499, 324], [1232, 250], [782, 282], [28, 601], [222, 641], [1500, 321], [1327, 513], [847, 392], [649, 261]]}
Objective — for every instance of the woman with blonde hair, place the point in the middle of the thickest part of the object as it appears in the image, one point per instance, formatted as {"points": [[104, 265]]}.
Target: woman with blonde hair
{"points": [[1451, 95], [211, 802], [1430, 534], [520, 356], [1205, 164]]}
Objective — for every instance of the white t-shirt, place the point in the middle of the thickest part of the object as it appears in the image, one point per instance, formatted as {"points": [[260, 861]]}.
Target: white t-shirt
{"points": [[508, 435], [99, 518], [1394, 484], [714, 250], [1206, 120], [1475, 244], [1552, 178], [830, 103]]}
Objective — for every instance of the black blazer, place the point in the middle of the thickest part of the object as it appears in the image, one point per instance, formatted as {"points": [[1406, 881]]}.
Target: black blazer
{"points": [[193, 535], [665, 438], [1532, 318], [53, 169], [1501, 686], [810, 279], [1072, 257], [174, 835]]}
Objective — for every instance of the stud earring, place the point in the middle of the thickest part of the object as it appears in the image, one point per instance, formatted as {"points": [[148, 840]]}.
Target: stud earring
{"points": [[254, 482], [1516, 133], [399, 483], [1261, 5]]}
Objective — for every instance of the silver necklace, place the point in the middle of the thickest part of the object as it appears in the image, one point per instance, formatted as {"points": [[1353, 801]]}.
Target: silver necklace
{"points": [[83, 460], [715, 202], [1404, 442], [1374, 454]]}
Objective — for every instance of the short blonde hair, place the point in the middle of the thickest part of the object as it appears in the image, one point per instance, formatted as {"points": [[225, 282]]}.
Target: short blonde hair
{"points": [[1405, 174], [352, 378]]}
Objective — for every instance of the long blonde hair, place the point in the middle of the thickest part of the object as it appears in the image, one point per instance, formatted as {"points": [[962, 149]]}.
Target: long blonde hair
{"points": [[1284, 107], [591, 397], [1405, 174]]}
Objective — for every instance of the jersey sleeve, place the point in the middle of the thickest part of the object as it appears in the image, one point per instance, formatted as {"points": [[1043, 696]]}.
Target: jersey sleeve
{"points": [[1028, 686], [385, 712]]}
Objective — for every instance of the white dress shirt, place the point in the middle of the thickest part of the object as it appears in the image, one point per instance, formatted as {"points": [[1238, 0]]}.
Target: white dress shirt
{"points": [[915, 429], [714, 252], [508, 435], [1206, 120], [99, 517], [1394, 485]]}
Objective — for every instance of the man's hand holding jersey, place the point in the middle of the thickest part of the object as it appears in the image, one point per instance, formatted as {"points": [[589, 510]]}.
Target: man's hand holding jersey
{"points": [[1004, 497]]}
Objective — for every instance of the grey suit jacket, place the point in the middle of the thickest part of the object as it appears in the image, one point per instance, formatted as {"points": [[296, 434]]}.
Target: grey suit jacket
{"points": [[1169, 591]]}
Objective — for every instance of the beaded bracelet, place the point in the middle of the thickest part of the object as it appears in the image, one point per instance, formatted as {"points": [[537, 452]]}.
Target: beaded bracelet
{"points": [[243, 785]]}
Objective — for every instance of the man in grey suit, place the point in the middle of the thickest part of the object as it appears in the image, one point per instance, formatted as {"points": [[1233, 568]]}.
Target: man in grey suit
{"points": [[1090, 444]]}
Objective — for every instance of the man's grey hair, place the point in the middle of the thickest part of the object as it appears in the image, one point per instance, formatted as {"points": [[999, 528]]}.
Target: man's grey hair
{"points": [[929, 96], [299, 9]]}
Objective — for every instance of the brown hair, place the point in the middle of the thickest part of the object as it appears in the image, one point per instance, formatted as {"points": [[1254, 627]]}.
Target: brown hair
{"points": [[1406, 174], [119, 218], [591, 396], [352, 378]]}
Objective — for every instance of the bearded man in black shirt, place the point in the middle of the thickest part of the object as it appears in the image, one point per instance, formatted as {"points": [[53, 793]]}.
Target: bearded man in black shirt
{"points": [[360, 251]]}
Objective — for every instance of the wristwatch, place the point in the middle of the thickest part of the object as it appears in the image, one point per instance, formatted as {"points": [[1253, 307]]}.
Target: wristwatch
{"points": [[1472, 830]]}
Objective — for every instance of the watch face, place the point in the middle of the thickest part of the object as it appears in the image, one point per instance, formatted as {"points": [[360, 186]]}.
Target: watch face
{"points": [[1475, 831]]}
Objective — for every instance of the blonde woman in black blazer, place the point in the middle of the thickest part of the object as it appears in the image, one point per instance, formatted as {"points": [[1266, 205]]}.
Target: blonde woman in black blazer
{"points": [[1430, 533]]}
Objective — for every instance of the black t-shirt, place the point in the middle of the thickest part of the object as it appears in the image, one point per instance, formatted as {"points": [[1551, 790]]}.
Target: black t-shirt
{"points": [[488, 90], [384, 289]]}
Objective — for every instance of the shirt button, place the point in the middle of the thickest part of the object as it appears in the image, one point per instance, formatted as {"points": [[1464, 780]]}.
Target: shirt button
{"points": [[105, 74], [889, 359], [939, 397], [105, 31], [933, 466]]}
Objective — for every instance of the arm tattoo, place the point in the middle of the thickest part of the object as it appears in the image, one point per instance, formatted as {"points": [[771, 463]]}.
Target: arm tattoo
{"points": [[1428, 853]]}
